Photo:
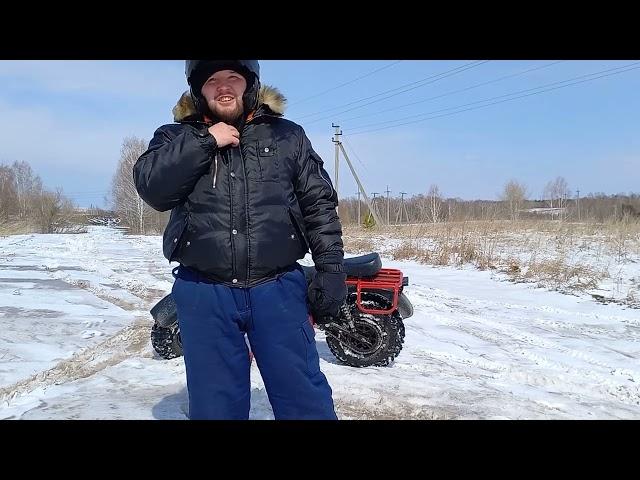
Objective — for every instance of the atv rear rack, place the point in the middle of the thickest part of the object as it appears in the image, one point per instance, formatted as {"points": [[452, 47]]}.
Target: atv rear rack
{"points": [[387, 279]]}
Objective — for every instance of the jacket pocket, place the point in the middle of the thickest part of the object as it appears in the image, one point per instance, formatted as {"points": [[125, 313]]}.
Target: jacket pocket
{"points": [[174, 235], [311, 351], [268, 161], [299, 230]]}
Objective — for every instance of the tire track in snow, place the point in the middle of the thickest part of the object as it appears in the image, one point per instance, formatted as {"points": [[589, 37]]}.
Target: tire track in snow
{"points": [[521, 336], [595, 379], [129, 342], [386, 408], [111, 269]]}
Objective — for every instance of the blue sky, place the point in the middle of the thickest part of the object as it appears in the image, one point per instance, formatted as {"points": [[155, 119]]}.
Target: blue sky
{"points": [[68, 120]]}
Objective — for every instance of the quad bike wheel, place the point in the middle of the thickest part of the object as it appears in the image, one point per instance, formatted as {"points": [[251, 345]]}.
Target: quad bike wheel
{"points": [[166, 341], [373, 340]]}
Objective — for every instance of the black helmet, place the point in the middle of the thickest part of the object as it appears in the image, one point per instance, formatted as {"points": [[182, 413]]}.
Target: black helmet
{"points": [[198, 71]]}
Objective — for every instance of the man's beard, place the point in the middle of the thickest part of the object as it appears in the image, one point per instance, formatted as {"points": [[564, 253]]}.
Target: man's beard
{"points": [[228, 116]]}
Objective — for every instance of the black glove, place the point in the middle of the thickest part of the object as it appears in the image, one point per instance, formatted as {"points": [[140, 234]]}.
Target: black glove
{"points": [[327, 293]]}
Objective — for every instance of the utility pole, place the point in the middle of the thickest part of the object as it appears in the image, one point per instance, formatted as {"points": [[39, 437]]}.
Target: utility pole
{"points": [[373, 210], [376, 217], [359, 217], [388, 191], [336, 140], [578, 205], [402, 208]]}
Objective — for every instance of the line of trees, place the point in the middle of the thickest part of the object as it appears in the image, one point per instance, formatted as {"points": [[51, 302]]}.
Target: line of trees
{"points": [[27, 206], [24, 201], [514, 203]]}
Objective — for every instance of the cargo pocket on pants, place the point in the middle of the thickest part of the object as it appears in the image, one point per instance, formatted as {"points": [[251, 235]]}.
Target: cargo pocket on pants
{"points": [[313, 360]]}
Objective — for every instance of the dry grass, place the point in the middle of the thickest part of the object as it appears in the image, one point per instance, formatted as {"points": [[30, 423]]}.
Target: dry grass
{"points": [[22, 227], [558, 274], [444, 244], [633, 298], [358, 245], [16, 228], [562, 256]]}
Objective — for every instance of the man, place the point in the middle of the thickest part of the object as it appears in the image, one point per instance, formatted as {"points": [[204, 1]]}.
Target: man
{"points": [[248, 198]]}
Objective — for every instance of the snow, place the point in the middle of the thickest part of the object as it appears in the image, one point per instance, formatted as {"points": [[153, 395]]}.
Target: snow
{"points": [[75, 342]]}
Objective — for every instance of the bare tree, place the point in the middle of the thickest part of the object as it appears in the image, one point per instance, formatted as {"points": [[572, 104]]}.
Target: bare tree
{"points": [[420, 207], [8, 196], [28, 186], [561, 190], [126, 201], [547, 193], [557, 192], [435, 203], [514, 195], [451, 209], [52, 211]]}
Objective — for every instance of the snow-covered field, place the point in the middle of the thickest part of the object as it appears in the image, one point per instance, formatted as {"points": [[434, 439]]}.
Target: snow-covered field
{"points": [[75, 342], [598, 260]]}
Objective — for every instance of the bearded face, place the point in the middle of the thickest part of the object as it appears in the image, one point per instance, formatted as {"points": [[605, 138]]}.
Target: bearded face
{"points": [[223, 92]]}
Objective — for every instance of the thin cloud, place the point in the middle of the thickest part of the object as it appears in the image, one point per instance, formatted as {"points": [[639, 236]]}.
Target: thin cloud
{"points": [[141, 79]]}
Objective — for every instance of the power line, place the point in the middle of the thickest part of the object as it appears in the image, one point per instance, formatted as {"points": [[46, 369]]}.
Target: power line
{"points": [[474, 63], [340, 148], [355, 154], [499, 96], [440, 77], [346, 83], [380, 112], [493, 103]]}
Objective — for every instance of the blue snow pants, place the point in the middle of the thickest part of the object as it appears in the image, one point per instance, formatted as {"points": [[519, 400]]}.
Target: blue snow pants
{"points": [[213, 320]]}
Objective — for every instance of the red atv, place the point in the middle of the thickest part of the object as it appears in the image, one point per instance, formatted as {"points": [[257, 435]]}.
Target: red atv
{"points": [[368, 332]]}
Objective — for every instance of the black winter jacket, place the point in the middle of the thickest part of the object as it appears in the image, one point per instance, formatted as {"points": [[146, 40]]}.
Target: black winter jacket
{"points": [[240, 215]]}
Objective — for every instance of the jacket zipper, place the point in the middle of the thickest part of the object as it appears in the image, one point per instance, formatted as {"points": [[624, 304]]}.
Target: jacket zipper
{"points": [[215, 176], [246, 200], [231, 223]]}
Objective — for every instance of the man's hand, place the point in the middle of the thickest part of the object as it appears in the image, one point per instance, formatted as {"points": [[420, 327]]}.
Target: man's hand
{"points": [[225, 134], [327, 293]]}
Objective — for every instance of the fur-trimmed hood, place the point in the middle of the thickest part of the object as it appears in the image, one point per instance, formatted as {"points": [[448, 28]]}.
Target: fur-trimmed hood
{"points": [[268, 96]]}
